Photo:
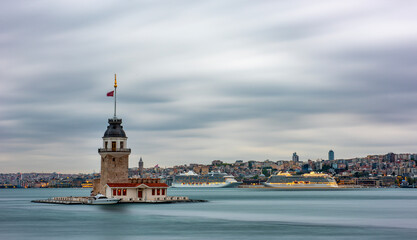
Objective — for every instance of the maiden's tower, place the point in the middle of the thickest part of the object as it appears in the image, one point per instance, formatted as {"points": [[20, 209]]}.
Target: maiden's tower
{"points": [[114, 181]]}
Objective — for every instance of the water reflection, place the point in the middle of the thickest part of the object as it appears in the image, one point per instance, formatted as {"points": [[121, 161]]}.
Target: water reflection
{"points": [[113, 208]]}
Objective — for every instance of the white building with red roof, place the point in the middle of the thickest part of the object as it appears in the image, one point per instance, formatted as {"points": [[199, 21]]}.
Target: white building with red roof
{"points": [[140, 192]]}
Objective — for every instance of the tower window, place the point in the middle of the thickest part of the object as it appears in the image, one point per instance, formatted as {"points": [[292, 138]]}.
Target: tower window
{"points": [[105, 144], [113, 146], [121, 145]]}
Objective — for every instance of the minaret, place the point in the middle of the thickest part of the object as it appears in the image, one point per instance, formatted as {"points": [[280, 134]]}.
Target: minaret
{"points": [[114, 154], [141, 167]]}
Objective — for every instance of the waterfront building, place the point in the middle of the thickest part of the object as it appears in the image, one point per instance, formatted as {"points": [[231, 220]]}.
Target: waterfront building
{"points": [[331, 155], [139, 190]]}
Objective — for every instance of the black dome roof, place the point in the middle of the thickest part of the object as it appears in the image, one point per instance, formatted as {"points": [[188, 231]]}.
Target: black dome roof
{"points": [[115, 129]]}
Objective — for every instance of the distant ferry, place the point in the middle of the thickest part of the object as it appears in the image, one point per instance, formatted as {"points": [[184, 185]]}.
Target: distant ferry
{"points": [[87, 184], [211, 180], [308, 180]]}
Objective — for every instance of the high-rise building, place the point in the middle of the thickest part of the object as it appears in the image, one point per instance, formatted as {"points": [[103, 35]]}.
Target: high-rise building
{"points": [[295, 157], [331, 155], [389, 157]]}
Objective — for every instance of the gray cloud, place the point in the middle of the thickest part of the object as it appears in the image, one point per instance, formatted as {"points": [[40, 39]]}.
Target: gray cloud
{"points": [[205, 80]]}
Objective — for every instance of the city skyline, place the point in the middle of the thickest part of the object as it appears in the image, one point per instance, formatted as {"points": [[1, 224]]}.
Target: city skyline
{"points": [[199, 81]]}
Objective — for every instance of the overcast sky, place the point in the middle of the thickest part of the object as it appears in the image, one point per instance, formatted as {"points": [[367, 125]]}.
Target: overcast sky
{"points": [[205, 80]]}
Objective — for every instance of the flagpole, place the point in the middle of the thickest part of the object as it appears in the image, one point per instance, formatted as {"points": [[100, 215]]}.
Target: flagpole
{"points": [[115, 87]]}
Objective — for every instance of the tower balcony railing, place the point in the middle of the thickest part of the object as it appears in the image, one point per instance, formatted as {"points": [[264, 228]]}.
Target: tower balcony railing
{"points": [[103, 150]]}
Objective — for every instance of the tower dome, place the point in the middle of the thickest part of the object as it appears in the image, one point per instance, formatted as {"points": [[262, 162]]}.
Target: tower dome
{"points": [[115, 129]]}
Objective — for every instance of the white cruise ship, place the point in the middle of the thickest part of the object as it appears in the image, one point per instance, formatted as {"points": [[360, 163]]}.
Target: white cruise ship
{"points": [[308, 180], [210, 180]]}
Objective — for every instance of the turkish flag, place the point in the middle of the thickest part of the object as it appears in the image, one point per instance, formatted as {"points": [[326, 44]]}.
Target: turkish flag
{"points": [[110, 94]]}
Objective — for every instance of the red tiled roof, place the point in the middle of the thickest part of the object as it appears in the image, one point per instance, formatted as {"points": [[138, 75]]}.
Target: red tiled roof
{"points": [[123, 184], [132, 185], [156, 184]]}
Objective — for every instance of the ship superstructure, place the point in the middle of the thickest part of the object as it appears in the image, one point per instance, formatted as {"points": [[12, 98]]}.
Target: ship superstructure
{"points": [[307, 180], [212, 180]]}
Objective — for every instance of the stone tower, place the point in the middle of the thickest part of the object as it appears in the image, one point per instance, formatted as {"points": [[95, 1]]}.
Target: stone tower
{"points": [[114, 157]]}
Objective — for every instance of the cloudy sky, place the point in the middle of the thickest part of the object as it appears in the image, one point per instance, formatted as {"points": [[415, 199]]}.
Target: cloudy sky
{"points": [[205, 80]]}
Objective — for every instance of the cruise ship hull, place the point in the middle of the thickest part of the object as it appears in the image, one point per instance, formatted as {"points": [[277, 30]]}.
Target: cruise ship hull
{"points": [[206, 185], [210, 180], [300, 186], [310, 180]]}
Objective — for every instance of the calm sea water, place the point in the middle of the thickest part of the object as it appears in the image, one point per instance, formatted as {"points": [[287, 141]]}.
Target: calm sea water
{"points": [[229, 214]]}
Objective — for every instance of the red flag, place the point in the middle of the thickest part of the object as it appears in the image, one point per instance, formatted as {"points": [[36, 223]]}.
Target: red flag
{"points": [[110, 94]]}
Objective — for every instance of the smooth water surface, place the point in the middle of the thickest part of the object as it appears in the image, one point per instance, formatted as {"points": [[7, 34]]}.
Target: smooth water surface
{"points": [[229, 214]]}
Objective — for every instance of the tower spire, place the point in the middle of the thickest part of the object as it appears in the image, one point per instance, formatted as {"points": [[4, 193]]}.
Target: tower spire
{"points": [[115, 87]]}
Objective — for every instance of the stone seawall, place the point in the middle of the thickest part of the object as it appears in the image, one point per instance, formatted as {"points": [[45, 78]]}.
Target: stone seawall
{"points": [[85, 200]]}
